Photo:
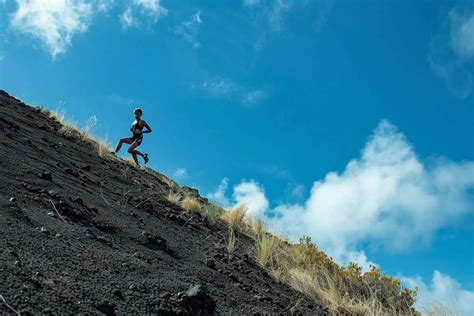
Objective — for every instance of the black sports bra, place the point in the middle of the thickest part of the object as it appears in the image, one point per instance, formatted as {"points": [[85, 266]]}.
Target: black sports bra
{"points": [[136, 125]]}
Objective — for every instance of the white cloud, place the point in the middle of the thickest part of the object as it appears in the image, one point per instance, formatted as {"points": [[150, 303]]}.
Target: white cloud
{"points": [[104, 5], [221, 87], [188, 29], [253, 195], [462, 35], [217, 87], [254, 96], [127, 19], [219, 196], [272, 13], [53, 22], [451, 53], [139, 10], [250, 193], [386, 196], [443, 290], [180, 173]]}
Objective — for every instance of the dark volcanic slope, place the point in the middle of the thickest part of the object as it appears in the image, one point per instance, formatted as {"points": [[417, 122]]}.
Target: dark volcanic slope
{"points": [[117, 246]]}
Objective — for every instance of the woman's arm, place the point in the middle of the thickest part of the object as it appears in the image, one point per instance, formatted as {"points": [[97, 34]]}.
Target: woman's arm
{"points": [[148, 128]]}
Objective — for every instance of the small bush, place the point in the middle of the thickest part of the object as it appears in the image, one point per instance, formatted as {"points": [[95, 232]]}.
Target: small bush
{"points": [[212, 212], [191, 205], [234, 218]]}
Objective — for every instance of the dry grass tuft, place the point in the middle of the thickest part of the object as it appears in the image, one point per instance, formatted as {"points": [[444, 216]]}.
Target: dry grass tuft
{"points": [[69, 129], [85, 135], [103, 147], [231, 241], [173, 198], [333, 294], [212, 212], [191, 205], [235, 217]]}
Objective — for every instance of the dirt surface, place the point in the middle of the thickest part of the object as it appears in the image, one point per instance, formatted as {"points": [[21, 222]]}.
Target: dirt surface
{"points": [[81, 234]]}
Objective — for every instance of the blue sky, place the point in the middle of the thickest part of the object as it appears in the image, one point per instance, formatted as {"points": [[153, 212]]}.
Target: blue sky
{"points": [[348, 121]]}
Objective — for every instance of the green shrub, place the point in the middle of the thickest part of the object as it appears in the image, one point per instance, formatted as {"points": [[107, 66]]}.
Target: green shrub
{"points": [[211, 213]]}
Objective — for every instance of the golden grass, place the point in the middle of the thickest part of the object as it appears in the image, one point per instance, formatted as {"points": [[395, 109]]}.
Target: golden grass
{"points": [[85, 135], [331, 292], [267, 248], [231, 241], [235, 217], [102, 147], [191, 205], [57, 115], [69, 129], [255, 226], [173, 198], [310, 271]]}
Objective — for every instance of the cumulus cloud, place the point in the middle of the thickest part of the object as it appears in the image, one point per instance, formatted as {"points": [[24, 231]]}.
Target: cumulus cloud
{"points": [[219, 196], [53, 22], [139, 11], [442, 290], [188, 29], [451, 54], [250, 193], [386, 196]]}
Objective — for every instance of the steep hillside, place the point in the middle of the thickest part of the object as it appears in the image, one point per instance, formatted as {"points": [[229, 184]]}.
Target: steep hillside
{"points": [[82, 233]]}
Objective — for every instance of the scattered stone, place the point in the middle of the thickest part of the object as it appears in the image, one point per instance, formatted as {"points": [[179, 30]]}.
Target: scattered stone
{"points": [[210, 263], [117, 293], [90, 234], [46, 176], [12, 199], [197, 301], [154, 242], [77, 200], [45, 231], [47, 310], [132, 287], [72, 172], [58, 235], [86, 167], [52, 193], [106, 308], [51, 214]]}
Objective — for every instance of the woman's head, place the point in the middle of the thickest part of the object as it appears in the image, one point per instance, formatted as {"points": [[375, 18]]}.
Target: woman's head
{"points": [[138, 113]]}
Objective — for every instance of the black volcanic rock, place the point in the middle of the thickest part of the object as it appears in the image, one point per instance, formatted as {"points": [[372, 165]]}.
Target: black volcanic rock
{"points": [[111, 243]]}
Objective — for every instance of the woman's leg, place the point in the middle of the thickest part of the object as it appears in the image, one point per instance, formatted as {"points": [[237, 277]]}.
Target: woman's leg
{"points": [[126, 140], [134, 152]]}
